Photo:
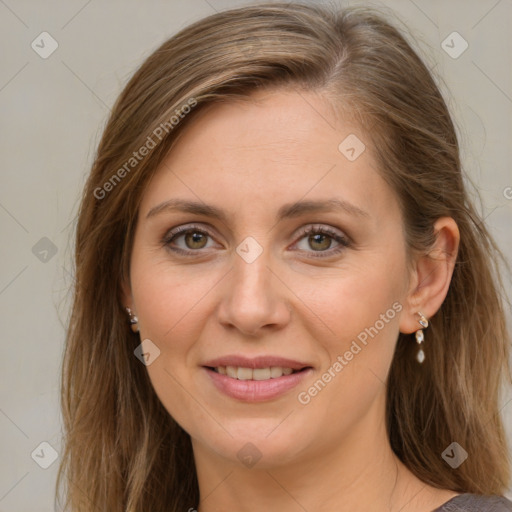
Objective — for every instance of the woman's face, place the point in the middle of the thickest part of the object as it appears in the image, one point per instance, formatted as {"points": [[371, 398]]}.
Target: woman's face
{"points": [[292, 259]]}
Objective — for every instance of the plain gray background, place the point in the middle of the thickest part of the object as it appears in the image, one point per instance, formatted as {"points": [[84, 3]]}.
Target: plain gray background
{"points": [[52, 111]]}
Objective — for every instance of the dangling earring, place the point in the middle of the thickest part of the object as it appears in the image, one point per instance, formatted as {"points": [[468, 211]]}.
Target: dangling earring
{"points": [[133, 320], [420, 338]]}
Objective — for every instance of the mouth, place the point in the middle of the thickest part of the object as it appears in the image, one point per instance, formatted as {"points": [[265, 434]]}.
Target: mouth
{"points": [[256, 380]]}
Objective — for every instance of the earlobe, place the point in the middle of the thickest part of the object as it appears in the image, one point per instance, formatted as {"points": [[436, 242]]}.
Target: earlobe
{"points": [[433, 274]]}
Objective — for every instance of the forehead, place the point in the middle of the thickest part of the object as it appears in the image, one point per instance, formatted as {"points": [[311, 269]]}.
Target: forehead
{"points": [[275, 147]]}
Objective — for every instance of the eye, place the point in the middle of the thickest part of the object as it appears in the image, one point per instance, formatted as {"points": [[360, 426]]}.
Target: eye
{"points": [[190, 239], [320, 240], [193, 239]]}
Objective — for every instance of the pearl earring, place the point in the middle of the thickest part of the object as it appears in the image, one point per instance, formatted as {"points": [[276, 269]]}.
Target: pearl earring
{"points": [[420, 338], [133, 320]]}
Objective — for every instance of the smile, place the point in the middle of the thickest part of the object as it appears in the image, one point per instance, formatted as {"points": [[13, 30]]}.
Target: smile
{"points": [[242, 373], [256, 384]]}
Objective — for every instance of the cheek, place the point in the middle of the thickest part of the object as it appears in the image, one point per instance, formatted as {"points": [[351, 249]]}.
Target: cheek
{"points": [[171, 315], [355, 297], [168, 298], [361, 305], [363, 315]]}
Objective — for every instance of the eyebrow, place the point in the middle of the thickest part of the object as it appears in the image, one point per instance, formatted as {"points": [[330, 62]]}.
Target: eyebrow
{"points": [[287, 211]]}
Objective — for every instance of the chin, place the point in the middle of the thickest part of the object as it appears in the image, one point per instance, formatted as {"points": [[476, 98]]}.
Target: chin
{"points": [[262, 444]]}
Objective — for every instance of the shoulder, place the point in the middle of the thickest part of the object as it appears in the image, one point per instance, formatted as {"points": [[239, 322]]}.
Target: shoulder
{"points": [[476, 503]]}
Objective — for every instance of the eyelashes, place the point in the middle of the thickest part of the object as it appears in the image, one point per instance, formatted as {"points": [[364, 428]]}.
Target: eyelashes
{"points": [[311, 235], [312, 232], [184, 231]]}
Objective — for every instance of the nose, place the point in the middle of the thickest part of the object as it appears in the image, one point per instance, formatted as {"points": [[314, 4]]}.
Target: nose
{"points": [[254, 299]]}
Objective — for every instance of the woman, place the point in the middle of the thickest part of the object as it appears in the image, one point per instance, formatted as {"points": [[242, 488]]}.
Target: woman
{"points": [[284, 298]]}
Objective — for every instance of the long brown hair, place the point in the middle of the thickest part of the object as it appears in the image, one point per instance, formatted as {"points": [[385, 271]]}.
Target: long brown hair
{"points": [[123, 452]]}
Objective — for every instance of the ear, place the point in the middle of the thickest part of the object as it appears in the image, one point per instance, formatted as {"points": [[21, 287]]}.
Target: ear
{"points": [[431, 276]]}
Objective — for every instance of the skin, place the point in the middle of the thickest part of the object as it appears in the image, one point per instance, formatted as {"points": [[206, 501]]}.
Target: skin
{"points": [[250, 158]]}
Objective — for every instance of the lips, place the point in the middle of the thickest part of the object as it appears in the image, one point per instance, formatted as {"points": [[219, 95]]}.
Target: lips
{"points": [[255, 379]]}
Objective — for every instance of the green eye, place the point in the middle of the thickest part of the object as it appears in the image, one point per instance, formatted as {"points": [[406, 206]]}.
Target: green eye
{"points": [[318, 240], [193, 238]]}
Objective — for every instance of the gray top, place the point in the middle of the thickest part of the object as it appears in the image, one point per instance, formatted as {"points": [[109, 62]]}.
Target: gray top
{"points": [[476, 503]]}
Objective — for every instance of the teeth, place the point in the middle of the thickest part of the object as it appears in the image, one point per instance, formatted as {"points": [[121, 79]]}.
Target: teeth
{"points": [[244, 373], [275, 372], [231, 371], [261, 373], [241, 373]]}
